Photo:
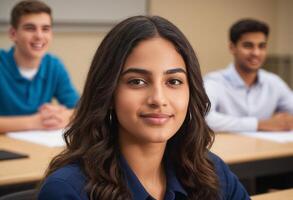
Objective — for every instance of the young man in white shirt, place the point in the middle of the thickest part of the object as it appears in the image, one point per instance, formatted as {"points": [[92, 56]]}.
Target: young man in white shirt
{"points": [[243, 96]]}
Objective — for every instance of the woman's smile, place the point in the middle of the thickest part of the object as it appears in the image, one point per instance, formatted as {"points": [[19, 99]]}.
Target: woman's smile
{"points": [[156, 119]]}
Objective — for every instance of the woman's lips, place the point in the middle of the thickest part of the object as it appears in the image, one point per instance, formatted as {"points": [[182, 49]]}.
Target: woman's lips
{"points": [[156, 118]]}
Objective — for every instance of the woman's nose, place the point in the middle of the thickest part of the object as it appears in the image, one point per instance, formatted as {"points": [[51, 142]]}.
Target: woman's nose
{"points": [[157, 97]]}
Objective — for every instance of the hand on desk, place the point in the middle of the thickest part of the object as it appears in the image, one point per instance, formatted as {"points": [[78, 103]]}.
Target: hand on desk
{"points": [[278, 122], [48, 117], [54, 116]]}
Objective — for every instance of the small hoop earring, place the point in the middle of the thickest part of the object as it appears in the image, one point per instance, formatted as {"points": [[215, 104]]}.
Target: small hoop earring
{"points": [[190, 116], [110, 117]]}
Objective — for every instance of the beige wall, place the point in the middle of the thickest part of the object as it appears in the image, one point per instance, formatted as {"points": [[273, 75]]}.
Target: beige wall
{"points": [[285, 27], [77, 50], [204, 22]]}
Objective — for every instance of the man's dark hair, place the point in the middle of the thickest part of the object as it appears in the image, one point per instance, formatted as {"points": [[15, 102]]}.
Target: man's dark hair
{"points": [[28, 7], [246, 26]]}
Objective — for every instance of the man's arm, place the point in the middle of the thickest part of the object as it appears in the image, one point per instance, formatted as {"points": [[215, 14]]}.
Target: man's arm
{"points": [[221, 122], [285, 103], [65, 93], [278, 122], [49, 117], [20, 123]]}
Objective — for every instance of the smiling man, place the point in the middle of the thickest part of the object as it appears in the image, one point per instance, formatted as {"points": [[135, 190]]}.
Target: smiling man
{"points": [[30, 77], [243, 96]]}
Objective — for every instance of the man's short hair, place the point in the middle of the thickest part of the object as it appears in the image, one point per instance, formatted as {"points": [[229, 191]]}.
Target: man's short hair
{"points": [[247, 26], [26, 7]]}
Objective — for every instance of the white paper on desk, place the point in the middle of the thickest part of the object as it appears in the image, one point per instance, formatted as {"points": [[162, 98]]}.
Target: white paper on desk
{"points": [[52, 138], [281, 137]]}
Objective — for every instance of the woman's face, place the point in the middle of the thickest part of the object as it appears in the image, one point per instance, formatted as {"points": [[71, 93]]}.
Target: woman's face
{"points": [[152, 95]]}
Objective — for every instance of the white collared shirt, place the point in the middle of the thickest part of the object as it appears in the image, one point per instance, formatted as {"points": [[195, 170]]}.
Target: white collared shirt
{"points": [[237, 107]]}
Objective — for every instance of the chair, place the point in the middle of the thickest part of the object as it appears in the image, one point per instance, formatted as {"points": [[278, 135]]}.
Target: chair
{"points": [[23, 195]]}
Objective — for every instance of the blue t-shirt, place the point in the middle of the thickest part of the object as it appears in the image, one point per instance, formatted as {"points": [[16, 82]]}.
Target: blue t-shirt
{"points": [[67, 183], [21, 96]]}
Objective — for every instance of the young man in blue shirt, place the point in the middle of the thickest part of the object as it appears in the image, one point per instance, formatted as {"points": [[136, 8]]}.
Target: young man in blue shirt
{"points": [[243, 96], [30, 77]]}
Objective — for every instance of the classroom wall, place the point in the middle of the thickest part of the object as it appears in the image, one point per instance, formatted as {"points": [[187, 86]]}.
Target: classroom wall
{"points": [[284, 29], [204, 22]]}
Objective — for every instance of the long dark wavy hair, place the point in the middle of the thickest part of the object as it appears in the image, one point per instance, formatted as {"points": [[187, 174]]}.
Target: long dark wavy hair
{"points": [[92, 137]]}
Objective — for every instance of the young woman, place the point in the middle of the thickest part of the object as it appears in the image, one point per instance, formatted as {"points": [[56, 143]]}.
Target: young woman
{"points": [[139, 130]]}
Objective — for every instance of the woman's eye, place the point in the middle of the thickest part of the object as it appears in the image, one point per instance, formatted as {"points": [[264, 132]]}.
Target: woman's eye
{"points": [[175, 82], [136, 82]]}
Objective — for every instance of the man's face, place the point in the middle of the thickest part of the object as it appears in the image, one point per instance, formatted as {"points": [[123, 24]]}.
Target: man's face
{"points": [[32, 35], [250, 51]]}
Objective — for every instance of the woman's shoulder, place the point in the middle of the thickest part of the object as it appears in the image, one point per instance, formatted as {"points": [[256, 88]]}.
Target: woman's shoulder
{"points": [[68, 172], [223, 172], [230, 186], [68, 181]]}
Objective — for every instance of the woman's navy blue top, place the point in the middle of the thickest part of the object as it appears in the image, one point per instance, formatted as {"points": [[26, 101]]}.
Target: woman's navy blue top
{"points": [[67, 183]]}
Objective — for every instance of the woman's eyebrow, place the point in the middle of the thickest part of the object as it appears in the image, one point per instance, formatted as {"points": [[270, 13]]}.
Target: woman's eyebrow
{"points": [[146, 72], [175, 70], [136, 70]]}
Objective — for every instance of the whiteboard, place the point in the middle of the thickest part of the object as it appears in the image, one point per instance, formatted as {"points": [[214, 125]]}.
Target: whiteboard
{"points": [[83, 14]]}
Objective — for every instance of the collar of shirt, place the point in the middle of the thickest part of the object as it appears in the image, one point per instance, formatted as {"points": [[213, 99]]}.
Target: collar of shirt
{"points": [[235, 79], [13, 68], [174, 189]]}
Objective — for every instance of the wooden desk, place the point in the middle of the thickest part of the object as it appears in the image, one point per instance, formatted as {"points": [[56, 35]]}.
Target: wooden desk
{"points": [[247, 157], [235, 148], [27, 169], [250, 158], [279, 195]]}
